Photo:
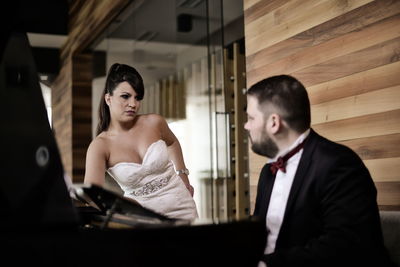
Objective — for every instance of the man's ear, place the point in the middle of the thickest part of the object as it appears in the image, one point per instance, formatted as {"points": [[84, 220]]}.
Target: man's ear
{"points": [[107, 99], [274, 123]]}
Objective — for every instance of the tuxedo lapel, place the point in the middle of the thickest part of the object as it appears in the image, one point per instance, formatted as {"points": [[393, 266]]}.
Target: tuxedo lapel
{"points": [[302, 170], [267, 191]]}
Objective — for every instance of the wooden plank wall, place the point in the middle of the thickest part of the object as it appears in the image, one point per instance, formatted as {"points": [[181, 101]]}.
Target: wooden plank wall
{"points": [[81, 112], [346, 53], [71, 91]]}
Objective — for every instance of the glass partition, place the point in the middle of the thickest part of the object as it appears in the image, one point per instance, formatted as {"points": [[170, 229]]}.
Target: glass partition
{"points": [[178, 47]]}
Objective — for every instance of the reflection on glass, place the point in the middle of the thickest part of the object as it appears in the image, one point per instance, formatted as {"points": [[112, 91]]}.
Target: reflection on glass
{"points": [[176, 45]]}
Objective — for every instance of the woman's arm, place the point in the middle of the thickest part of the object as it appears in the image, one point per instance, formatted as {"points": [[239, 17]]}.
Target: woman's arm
{"points": [[174, 151], [176, 156], [95, 163]]}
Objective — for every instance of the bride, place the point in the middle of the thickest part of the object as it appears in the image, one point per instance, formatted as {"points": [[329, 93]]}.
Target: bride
{"points": [[139, 151]]}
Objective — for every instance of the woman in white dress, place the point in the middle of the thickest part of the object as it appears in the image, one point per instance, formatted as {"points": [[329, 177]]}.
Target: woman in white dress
{"points": [[139, 151]]}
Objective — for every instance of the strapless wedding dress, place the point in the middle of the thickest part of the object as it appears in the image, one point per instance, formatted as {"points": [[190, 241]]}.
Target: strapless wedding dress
{"points": [[154, 184]]}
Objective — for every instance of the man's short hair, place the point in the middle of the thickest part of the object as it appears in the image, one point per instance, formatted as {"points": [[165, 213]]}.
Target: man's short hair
{"points": [[289, 98]]}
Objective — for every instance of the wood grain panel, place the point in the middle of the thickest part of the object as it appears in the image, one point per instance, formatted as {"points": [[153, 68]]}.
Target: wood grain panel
{"points": [[388, 193], [274, 18], [305, 16], [257, 162], [389, 207], [348, 59], [384, 170], [89, 22], [81, 112], [383, 146], [74, 7], [333, 52], [371, 57], [358, 105], [248, 3], [79, 153], [234, 64], [260, 8], [359, 127], [358, 83], [253, 195], [350, 22]]}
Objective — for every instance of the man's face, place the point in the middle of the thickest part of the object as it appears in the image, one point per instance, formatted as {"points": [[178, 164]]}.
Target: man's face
{"points": [[256, 125]]}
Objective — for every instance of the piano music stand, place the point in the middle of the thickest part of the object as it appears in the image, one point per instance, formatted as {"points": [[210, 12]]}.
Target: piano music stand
{"points": [[116, 208]]}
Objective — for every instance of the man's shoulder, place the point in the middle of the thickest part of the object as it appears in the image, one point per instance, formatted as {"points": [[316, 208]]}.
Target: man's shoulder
{"points": [[327, 148], [265, 167]]}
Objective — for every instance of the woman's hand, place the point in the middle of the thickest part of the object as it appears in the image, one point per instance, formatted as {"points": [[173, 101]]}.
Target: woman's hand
{"points": [[190, 188]]}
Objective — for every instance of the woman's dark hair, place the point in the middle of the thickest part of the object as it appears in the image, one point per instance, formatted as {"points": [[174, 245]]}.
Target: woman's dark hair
{"points": [[289, 96], [117, 74]]}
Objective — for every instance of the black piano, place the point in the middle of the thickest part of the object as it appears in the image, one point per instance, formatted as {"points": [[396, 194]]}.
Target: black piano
{"points": [[42, 225]]}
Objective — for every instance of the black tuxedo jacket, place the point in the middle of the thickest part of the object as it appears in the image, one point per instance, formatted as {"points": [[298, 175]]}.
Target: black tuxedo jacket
{"points": [[331, 217]]}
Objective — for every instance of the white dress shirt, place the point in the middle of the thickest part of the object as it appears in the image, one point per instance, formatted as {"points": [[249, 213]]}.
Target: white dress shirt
{"points": [[280, 193]]}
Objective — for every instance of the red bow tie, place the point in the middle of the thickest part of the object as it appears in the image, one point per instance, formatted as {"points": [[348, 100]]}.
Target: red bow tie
{"points": [[280, 163]]}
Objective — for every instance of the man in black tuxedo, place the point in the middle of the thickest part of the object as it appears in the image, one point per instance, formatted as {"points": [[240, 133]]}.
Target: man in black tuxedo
{"points": [[317, 197]]}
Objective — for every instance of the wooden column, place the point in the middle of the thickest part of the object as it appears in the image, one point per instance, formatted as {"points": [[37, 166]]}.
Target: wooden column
{"points": [[81, 112], [71, 91], [229, 96], [234, 84], [240, 135]]}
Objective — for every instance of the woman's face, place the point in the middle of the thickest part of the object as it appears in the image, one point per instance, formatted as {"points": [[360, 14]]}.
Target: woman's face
{"points": [[123, 103]]}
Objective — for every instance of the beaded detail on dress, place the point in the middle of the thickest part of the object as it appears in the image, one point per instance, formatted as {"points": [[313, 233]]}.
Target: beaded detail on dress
{"points": [[151, 187]]}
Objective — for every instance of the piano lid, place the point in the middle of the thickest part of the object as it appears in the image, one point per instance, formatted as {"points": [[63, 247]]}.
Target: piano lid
{"points": [[32, 187]]}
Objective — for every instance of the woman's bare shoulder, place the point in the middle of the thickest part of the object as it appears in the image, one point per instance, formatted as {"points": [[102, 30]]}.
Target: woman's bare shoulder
{"points": [[152, 117], [99, 143]]}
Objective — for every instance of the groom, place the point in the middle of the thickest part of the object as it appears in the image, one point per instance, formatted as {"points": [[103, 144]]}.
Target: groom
{"points": [[317, 197]]}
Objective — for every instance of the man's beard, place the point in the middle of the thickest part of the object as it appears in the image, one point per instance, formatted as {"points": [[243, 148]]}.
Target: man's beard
{"points": [[266, 147]]}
